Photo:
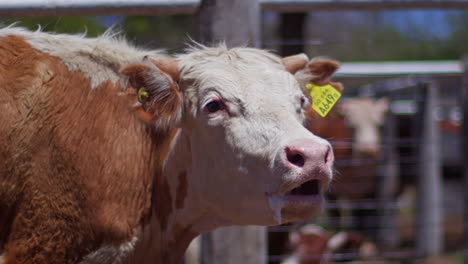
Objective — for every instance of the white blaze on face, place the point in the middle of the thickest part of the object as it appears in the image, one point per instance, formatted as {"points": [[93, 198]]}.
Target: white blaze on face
{"points": [[242, 108], [365, 115]]}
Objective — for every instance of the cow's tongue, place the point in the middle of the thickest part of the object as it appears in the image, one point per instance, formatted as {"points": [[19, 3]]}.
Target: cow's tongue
{"points": [[308, 188]]}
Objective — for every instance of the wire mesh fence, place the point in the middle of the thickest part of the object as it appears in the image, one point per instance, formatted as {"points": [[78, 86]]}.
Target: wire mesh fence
{"points": [[375, 217]]}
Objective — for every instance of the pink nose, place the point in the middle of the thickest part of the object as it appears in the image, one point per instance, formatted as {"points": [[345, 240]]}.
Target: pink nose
{"points": [[308, 155]]}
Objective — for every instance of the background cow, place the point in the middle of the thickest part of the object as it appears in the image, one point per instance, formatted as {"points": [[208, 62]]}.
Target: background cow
{"points": [[353, 128], [311, 244], [112, 154]]}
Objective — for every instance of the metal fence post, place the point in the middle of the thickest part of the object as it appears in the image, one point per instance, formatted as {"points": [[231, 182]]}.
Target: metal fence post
{"points": [[464, 150], [429, 180], [388, 184], [236, 22]]}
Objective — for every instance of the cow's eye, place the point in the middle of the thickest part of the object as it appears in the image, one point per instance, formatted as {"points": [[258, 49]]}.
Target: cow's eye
{"points": [[304, 102], [214, 106]]}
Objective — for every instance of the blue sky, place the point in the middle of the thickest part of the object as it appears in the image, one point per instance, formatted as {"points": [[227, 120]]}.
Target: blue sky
{"points": [[434, 22]]}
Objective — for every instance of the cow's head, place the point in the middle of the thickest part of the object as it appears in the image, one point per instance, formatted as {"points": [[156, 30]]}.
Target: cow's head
{"points": [[311, 244], [240, 113], [365, 116]]}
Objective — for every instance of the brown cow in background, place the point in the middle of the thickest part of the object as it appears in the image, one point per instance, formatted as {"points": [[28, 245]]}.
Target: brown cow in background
{"points": [[353, 127], [311, 244]]}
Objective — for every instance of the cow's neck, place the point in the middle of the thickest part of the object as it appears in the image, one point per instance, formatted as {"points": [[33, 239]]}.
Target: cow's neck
{"points": [[178, 215]]}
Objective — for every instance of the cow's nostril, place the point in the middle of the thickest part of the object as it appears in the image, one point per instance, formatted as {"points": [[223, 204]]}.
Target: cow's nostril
{"points": [[296, 159]]}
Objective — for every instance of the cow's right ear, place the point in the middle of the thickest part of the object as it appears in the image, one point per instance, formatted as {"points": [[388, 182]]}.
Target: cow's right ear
{"points": [[154, 95]]}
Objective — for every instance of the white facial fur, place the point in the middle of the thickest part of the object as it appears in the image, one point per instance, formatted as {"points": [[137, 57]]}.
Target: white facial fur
{"points": [[235, 150], [365, 115]]}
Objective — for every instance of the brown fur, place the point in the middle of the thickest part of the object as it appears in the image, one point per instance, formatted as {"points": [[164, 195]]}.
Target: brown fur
{"points": [[321, 69], [181, 190], [162, 103], [67, 155]]}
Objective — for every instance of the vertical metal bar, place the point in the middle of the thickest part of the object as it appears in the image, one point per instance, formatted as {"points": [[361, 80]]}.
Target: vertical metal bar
{"points": [[464, 135], [429, 182], [388, 184]]}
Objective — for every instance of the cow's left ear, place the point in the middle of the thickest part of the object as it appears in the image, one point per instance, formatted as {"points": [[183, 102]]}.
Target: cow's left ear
{"points": [[153, 93], [318, 70]]}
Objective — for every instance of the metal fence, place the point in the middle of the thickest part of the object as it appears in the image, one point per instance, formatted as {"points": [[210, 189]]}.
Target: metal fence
{"points": [[9, 8], [410, 162]]}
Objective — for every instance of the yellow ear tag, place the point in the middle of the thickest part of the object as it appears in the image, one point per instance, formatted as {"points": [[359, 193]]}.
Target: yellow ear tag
{"points": [[323, 98], [142, 94]]}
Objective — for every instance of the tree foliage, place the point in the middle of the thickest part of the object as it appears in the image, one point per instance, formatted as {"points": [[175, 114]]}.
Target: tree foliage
{"points": [[352, 36], [165, 31], [368, 39]]}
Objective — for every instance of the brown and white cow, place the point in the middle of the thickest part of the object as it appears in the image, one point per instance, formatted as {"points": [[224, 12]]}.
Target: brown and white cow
{"points": [[354, 131], [111, 154], [311, 244], [353, 128]]}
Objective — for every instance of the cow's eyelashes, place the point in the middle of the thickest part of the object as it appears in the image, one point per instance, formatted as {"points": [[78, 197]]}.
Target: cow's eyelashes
{"points": [[214, 106]]}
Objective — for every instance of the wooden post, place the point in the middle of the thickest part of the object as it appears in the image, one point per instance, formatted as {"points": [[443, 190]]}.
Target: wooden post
{"points": [[388, 184], [429, 183], [236, 22], [464, 150], [234, 245]]}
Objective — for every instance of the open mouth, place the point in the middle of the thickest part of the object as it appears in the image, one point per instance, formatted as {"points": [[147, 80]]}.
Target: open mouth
{"points": [[311, 187], [306, 193], [299, 203]]}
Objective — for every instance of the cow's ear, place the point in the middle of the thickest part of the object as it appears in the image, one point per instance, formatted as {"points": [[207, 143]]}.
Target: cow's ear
{"points": [[318, 70], [153, 95]]}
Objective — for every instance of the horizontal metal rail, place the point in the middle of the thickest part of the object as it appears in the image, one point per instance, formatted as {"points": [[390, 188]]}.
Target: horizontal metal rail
{"points": [[12, 8], [335, 5]]}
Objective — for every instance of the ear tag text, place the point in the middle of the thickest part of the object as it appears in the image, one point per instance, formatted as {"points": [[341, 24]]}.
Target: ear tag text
{"points": [[142, 94], [323, 98]]}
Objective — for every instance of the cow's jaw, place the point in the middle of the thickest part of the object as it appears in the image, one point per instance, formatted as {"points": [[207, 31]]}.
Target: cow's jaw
{"points": [[300, 202], [256, 188]]}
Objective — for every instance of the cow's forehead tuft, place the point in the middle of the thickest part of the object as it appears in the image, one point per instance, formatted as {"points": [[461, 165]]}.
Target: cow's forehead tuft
{"points": [[241, 68], [204, 59]]}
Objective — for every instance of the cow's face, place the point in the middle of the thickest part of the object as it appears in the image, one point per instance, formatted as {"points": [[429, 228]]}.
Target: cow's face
{"points": [[365, 116], [252, 161]]}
